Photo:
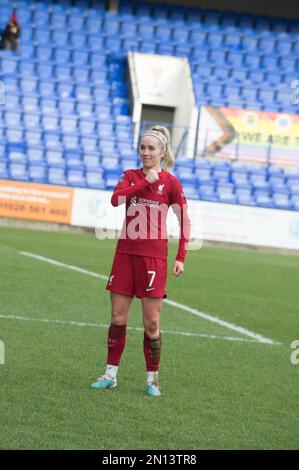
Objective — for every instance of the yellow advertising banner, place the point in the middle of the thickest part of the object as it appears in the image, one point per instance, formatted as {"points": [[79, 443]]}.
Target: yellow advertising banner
{"points": [[36, 201], [250, 135]]}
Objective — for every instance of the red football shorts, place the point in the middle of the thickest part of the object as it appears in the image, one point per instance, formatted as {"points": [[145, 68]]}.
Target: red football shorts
{"points": [[139, 276]]}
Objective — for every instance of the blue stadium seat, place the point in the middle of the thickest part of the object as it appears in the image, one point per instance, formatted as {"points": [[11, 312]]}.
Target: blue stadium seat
{"points": [[65, 90], [47, 106], [244, 198], [203, 175], [249, 94], [95, 180], [202, 163], [249, 43], [92, 162], [94, 25], [129, 29], [146, 31], [55, 158], [40, 19], [181, 35], [4, 174], [191, 192], [264, 200], [63, 73], [50, 123], [47, 88], [9, 66], [89, 144], [221, 73], [57, 176], [221, 174], [295, 202], [70, 141], [238, 75], [29, 86], [44, 53], [44, 71], [269, 62], [226, 196], [233, 40], [17, 155], [18, 171], [273, 78], [293, 186], [76, 178], [36, 156], [77, 40], [86, 126], [38, 173], [240, 179], [33, 138], [266, 45], [66, 107], [288, 64], [42, 36], [198, 38], [84, 110], [283, 98], [284, 48], [207, 193], [266, 96], [252, 61], [58, 20], [217, 56], [259, 182], [76, 22], [68, 124], [52, 141], [32, 121], [235, 58]]}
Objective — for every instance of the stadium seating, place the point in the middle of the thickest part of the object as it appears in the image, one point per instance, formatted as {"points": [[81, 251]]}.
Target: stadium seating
{"points": [[66, 118]]}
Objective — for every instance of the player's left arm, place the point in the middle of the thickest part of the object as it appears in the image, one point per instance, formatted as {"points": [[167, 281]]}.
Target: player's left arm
{"points": [[180, 208]]}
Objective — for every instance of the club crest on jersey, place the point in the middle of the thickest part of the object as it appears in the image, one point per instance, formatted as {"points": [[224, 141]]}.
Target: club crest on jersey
{"points": [[160, 189]]}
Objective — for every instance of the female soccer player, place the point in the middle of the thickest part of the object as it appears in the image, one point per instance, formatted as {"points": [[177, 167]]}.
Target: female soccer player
{"points": [[140, 263]]}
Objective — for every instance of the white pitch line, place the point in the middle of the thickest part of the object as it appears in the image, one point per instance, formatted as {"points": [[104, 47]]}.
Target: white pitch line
{"points": [[193, 311], [102, 325], [63, 265]]}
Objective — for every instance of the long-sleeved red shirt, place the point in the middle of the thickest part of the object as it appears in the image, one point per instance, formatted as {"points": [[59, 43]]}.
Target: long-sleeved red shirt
{"points": [[144, 230]]}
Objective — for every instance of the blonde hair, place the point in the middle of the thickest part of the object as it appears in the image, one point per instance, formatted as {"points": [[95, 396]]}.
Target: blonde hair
{"points": [[163, 135]]}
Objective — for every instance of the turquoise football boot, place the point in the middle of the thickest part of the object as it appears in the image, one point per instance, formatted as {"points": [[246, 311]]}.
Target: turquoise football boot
{"points": [[153, 390], [105, 381]]}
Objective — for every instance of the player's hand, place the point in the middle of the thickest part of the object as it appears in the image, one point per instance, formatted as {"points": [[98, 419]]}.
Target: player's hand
{"points": [[152, 176], [178, 268]]}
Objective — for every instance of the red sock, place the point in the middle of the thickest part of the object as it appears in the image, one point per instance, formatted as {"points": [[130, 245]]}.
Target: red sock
{"points": [[152, 349], [116, 343]]}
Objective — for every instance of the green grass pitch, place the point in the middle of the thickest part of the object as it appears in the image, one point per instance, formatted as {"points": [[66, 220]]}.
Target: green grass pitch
{"points": [[221, 389]]}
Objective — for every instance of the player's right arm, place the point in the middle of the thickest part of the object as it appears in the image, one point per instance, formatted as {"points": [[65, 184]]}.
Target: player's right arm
{"points": [[124, 191]]}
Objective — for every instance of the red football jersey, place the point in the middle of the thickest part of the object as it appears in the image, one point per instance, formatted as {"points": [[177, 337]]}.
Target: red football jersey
{"points": [[144, 231]]}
